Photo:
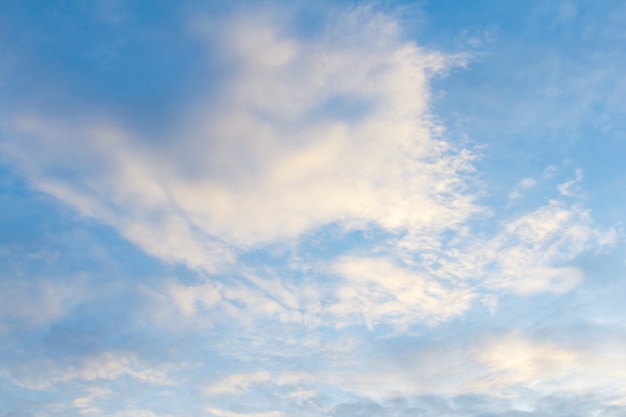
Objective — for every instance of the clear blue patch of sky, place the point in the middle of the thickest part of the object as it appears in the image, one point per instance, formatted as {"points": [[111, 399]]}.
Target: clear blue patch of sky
{"points": [[545, 86], [131, 61]]}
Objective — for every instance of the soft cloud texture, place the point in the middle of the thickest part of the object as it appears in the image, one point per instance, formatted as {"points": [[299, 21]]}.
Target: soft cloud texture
{"points": [[506, 365], [303, 234], [44, 374], [379, 291], [306, 133]]}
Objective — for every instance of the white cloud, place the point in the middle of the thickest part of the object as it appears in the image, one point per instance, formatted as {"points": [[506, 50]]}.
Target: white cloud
{"points": [[514, 194], [529, 254], [510, 365], [515, 360], [568, 188], [99, 169], [409, 282], [532, 253], [523, 185], [45, 373], [550, 171], [178, 305], [237, 383], [528, 183], [333, 129], [308, 133], [85, 403], [379, 291], [187, 298]]}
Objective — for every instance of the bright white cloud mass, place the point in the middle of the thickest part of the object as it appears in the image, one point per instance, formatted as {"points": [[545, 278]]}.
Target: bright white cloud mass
{"points": [[279, 210]]}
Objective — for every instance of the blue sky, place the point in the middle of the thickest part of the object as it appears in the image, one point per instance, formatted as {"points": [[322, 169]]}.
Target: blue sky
{"points": [[238, 209]]}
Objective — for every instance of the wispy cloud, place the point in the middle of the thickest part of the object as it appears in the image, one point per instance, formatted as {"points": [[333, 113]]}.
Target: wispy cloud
{"points": [[379, 291], [315, 239], [305, 134], [319, 131], [45, 373], [238, 383]]}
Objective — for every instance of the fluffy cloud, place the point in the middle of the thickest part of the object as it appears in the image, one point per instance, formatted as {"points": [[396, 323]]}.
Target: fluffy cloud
{"points": [[306, 133]]}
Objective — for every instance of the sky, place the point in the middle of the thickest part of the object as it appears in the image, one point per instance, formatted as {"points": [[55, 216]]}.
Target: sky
{"points": [[312, 208]]}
